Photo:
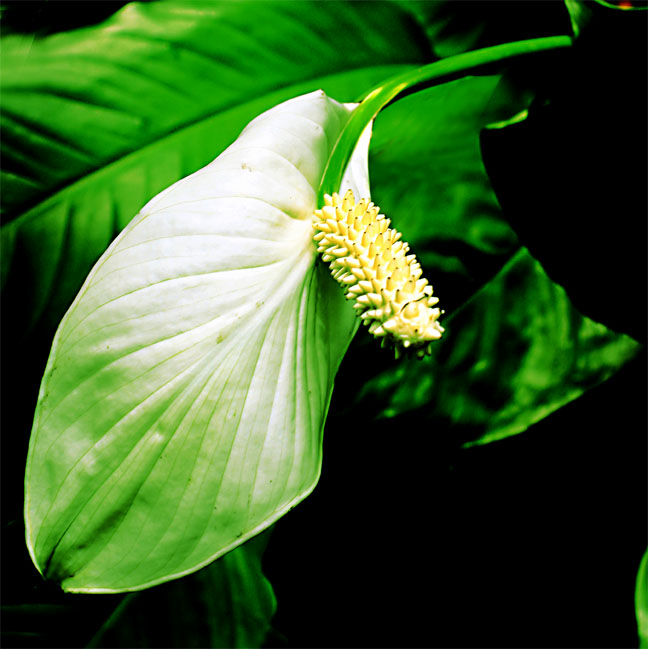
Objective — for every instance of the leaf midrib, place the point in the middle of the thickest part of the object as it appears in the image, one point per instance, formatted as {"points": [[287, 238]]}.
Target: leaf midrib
{"points": [[112, 165]]}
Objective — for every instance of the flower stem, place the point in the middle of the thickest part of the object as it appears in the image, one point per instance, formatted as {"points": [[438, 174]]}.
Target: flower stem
{"points": [[422, 77]]}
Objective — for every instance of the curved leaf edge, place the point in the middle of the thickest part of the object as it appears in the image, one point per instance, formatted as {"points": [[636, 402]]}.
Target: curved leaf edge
{"points": [[350, 174], [223, 551], [250, 107], [641, 601]]}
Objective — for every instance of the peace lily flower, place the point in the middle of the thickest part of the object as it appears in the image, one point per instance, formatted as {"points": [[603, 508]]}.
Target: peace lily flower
{"points": [[182, 407]]}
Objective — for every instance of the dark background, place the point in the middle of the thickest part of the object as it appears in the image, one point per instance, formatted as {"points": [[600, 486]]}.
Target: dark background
{"points": [[533, 541]]}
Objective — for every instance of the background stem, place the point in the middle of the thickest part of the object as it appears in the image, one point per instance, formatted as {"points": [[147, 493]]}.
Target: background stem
{"points": [[418, 79]]}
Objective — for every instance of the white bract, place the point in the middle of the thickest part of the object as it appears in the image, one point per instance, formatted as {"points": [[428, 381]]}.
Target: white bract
{"points": [[183, 403]]}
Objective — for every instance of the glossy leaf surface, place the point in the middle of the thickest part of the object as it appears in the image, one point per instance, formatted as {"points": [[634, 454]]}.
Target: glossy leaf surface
{"points": [[520, 351], [516, 349]]}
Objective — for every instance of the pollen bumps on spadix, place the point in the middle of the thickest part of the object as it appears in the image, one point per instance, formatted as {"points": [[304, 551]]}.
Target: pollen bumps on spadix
{"points": [[374, 267]]}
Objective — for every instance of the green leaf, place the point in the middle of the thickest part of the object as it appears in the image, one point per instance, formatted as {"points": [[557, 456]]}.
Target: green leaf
{"points": [[97, 121], [513, 354], [183, 402], [552, 171], [431, 74], [427, 176], [455, 27], [641, 601], [579, 15], [227, 604], [515, 349]]}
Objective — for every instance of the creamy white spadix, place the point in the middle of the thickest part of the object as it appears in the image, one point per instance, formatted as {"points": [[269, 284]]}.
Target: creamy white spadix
{"points": [[182, 407]]}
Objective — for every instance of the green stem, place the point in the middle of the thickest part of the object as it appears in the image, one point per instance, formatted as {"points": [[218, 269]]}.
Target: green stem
{"points": [[431, 74]]}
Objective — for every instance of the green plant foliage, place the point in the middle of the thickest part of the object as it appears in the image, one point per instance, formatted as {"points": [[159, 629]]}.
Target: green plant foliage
{"points": [[426, 174], [99, 120], [225, 604], [431, 74], [520, 351], [641, 601], [454, 27], [96, 121], [516, 349], [178, 419], [579, 158]]}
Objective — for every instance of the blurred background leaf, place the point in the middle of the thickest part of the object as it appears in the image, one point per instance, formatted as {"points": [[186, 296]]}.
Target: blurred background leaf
{"points": [[454, 27], [227, 604], [519, 352], [571, 177], [516, 349], [641, 601]]}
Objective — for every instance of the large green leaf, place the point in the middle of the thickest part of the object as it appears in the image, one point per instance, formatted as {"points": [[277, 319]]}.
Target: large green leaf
{"points": [[97, 121], [183, 402], [516, 349]]}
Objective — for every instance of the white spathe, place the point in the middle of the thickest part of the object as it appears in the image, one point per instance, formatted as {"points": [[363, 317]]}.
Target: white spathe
{"points": [[183, 403]]}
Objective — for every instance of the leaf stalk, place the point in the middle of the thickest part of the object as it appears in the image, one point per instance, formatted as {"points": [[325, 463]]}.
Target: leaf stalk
{"points": [[418, 79]]}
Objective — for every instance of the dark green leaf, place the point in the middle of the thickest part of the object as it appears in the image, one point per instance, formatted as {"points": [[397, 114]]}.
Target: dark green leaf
{"points": [[571, 177], [455, 27], [515, 349], [641, 601], [227, 604], [516, 352]]}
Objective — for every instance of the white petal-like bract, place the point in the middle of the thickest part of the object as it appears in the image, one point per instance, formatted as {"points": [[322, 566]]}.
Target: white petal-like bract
{"points": [[182, 407]]}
